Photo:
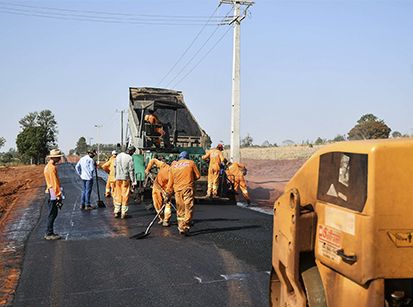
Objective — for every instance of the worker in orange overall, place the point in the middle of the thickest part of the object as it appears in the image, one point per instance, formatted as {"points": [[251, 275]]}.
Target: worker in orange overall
{"points": [[125, 182], [235, 173], [182, 176], [54, 190], [109, 167], [215, 160], [159, 189], [152, 119]]}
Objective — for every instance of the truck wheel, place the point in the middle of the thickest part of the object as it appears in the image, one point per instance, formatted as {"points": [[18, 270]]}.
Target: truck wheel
{"points": [[314, 287]]}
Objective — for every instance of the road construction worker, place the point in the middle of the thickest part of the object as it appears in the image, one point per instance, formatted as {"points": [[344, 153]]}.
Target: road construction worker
{"points": [[86, 170], [125, 181], [215, 161], [152, 119], [159, 190], [235, 173], [182, 176], [109, 167], [54, 190]]}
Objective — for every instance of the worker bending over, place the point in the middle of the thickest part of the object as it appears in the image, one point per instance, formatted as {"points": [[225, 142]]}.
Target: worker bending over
{"points": [[109, 167], [159, 189], [124, 178], [235, 173], [182, 176], [215, 160]]}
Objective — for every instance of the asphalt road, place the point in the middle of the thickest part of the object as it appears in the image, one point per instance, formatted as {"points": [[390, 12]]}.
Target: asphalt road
{"points": [[224, 262]]}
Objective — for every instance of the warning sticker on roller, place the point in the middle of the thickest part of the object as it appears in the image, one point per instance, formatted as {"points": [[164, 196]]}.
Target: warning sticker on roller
{"points": [[329, 241]]}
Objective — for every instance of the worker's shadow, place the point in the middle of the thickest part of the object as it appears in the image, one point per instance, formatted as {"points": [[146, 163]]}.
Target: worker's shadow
{"points": [[215, 230]]}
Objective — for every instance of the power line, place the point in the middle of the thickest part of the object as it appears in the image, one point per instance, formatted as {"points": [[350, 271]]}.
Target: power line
{"points": [[189, 47], [123, 16], [96, 19], [193, 57], [205, 55]]}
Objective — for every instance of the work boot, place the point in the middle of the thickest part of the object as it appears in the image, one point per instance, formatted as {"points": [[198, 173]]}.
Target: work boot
{"points": [[52, 236], [248, 202], [160, 222], [165, 224], [124, 216], [82, 207], [90, 207], [117, 215]]}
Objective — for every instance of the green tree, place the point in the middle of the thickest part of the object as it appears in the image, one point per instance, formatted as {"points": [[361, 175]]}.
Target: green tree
{"points": [[81, 146], [396, 134], [369, 127], [339, 138], [2, 141], [38, 136], [319, 141], [247, 141]]}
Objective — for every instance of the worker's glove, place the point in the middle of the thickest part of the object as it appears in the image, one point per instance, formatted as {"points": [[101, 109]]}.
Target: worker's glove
{"points": [[168, 197], [59, 204], [244, 171], [133, 187]]}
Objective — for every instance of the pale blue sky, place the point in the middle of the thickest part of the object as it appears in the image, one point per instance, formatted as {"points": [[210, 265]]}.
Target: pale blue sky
{"points": [[308, 68]]}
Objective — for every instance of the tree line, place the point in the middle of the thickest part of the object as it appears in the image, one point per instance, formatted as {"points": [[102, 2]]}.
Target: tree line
{"points": [[367, 127]]}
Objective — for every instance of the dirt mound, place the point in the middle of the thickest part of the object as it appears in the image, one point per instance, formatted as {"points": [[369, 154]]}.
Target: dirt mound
{"points": [[266, 179], [16, 181]]}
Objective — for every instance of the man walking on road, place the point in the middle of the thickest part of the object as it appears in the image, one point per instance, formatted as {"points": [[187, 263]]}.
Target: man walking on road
{"points": [[125, 176], [215, 158], [86, 170], [54, 190], [159, 190], [109, 167], [182, 176]]}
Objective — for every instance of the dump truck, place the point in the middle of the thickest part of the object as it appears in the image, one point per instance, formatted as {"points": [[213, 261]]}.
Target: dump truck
{"points": [[176, 131], [343, 228]]}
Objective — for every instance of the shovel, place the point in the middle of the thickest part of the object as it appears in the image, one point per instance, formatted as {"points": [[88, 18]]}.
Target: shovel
{"points": [[100, 203], [145, 233]]}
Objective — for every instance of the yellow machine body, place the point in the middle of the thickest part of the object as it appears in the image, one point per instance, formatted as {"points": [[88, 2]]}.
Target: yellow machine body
{"points": [[343, 229]]}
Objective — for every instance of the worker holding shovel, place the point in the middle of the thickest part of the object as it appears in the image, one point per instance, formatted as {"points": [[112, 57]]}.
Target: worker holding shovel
{"points": [[182, 176], [158, 190]]}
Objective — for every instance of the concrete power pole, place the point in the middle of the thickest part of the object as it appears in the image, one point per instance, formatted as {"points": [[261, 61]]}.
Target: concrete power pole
{"points": [[121, 125], [235, 105]]}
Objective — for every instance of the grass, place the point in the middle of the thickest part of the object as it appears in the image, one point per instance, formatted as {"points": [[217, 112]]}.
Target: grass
{"points": [[278, 153]]}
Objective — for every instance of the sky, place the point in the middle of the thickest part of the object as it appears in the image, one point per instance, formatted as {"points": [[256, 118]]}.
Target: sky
{"points": [[309, 68]]}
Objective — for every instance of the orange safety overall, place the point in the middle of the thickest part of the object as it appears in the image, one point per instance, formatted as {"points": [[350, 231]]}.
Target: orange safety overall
{"points": [[235, 174], [109, 167], [215, 159], [182, 175], [153, 120], [159, 189]]}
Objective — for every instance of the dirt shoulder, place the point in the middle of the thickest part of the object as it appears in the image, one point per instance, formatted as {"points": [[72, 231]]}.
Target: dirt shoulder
{"points": [[266, 179], [19, 186]]}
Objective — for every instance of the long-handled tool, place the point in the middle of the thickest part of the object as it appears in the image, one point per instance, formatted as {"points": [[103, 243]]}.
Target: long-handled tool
{"points": [[100, 203], [145, 233]]}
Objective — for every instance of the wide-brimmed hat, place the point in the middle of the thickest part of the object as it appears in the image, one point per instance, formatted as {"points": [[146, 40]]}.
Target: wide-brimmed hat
{"points": [[55, 153]]}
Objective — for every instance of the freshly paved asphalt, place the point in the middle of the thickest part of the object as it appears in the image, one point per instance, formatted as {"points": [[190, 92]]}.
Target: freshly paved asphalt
{"points": [[224, 262]]}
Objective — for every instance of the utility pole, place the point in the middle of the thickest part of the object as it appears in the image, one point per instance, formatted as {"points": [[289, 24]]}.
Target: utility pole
{"points": [[235, 101], [121, 125], [97, 139]]}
